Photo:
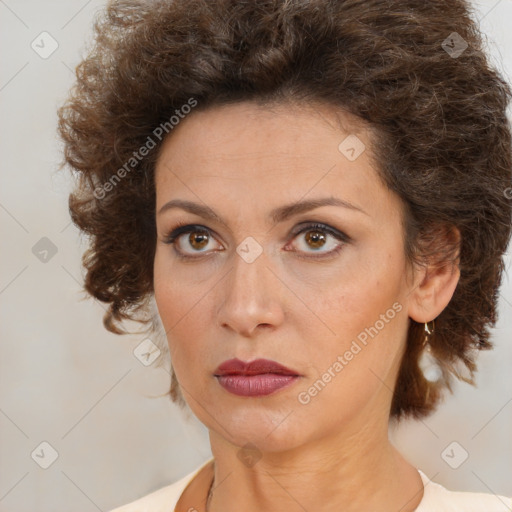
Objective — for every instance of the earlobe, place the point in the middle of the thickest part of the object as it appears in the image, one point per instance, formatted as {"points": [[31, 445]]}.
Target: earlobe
{"points": [[435, 284]]}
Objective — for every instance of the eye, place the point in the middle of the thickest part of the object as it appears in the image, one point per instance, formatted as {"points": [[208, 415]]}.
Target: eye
{"points": [[317, 238], [199, 238]]}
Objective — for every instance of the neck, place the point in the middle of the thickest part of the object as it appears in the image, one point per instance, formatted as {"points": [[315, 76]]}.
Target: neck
{"points": [[348, 471]]}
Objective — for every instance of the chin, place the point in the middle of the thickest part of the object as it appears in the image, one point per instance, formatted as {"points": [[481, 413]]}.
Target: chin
{"points": [[269, 430]]}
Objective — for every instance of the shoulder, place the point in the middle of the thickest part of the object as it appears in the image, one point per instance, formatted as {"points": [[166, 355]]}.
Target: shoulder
{"points": [[437, 498], [163, 499]]}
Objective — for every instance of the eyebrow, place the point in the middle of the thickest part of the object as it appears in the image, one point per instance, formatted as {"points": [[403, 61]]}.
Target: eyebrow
{"points": [[277, 215]]}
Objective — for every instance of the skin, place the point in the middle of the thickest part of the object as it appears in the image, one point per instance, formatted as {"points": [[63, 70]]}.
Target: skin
{"points": [[333, 453]]}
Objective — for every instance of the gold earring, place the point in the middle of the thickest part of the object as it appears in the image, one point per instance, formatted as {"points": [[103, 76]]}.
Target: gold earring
{"points": [[427, 362]]}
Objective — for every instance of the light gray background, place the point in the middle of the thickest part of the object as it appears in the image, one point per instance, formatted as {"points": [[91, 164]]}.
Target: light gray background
{"points": [[67, 381]]}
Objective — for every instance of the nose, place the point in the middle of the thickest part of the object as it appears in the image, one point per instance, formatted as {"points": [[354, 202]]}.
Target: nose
{"points": [[250, 296]]}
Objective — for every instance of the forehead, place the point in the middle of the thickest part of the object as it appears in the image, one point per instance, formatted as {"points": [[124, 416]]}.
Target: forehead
{"points": [[261, 131], [246, 154]]}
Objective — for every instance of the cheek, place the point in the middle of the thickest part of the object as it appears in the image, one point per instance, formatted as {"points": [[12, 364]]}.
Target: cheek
{"points": [[175, 291], [358, 363], [180, 310], [364, 313], [354, 297]]}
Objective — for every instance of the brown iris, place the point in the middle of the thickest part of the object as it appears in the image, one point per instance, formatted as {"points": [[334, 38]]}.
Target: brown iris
{"points": [[196, 238], [315, 238]]}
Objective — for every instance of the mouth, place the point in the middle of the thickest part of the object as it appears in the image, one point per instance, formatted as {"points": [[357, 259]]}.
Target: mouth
{"points": [[260, 377]]}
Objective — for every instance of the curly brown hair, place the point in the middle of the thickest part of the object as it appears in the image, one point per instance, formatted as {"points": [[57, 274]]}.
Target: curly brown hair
{"points": [[414, 71]]}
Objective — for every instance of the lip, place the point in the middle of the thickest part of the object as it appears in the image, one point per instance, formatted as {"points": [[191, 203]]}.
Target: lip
{"points": [[256, 367], [255, 385], [260, 377]]}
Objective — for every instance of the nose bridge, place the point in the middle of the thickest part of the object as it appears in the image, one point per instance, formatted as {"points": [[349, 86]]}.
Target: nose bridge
{"points": [[248, 278], [250, 293]]}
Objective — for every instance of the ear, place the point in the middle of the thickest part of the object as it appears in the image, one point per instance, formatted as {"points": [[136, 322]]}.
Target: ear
{"points": [[435, 281]]}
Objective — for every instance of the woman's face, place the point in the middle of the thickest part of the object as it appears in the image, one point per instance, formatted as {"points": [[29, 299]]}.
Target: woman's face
{"points": [[329, 302]]}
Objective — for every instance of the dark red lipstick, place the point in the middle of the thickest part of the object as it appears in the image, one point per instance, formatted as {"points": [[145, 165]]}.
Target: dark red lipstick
{"points": [[256, 378]]}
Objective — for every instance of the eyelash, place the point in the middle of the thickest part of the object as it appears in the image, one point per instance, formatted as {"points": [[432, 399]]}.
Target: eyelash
{"points": [[184, 228]]}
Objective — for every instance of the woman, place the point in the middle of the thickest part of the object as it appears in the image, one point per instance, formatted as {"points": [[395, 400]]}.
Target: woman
{"points": [[314, 195]]}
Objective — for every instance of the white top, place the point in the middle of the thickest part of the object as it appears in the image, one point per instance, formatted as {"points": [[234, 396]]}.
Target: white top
{"points": [[435, 498]]}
